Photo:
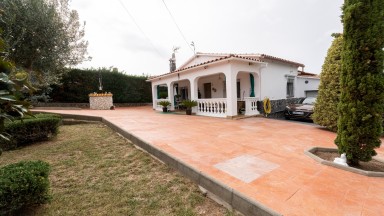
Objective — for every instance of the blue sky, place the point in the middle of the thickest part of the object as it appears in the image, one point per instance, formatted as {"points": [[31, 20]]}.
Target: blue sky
{"points": [[138, 36]]}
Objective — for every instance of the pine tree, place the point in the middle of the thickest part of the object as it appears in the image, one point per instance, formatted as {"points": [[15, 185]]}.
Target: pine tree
{"points": [[325, 110], [362, 80]]}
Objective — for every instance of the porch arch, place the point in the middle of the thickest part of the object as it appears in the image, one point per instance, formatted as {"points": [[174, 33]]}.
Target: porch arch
{"points": [[180, 90], [247, 92], [160, 91]]}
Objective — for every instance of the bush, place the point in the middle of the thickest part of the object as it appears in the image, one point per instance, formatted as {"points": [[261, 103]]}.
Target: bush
{"points": [[362, 81], [325, 109], [189, 103], [164, 103], [30, 130], [23, 184], [77, 84]]}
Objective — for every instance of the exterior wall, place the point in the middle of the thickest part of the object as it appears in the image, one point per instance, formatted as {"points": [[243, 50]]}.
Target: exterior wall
{"points": [[245, 85], [274, 80], [217, 85], [302, 87]]}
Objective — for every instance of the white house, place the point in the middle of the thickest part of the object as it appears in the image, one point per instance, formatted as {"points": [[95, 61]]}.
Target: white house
{"points": [[222, 84]]}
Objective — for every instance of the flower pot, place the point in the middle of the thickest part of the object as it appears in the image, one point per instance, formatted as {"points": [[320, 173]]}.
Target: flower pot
{"points": [[165, 109], [189, 112]]}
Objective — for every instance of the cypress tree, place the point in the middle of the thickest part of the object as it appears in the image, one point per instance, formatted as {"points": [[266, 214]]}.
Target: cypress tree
{"points": [[362, 80], [325, 110]]}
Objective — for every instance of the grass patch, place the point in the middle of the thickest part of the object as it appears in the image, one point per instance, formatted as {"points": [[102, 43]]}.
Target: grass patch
{"points": [[97, 172]]}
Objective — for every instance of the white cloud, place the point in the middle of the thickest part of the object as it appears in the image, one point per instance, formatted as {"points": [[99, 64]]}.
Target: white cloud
{"points": [[295, 30]]}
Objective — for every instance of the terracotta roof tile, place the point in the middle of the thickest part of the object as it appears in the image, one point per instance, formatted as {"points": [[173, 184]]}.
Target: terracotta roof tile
{"points": [[307, 74], [223, 56], [264, 56], [227, 56]]}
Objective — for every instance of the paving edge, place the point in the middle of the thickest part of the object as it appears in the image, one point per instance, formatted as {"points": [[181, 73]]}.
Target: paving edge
{"points": [[233, 198], [311, 153]]}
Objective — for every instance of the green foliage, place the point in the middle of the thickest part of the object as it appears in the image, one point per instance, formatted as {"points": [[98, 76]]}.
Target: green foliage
{"points": [[325, 109], [77, 84], [43, 37], [23, 184], [29, 130], [13, 85], [189, 103], [362, 80], [163, 95], [164, 103]]}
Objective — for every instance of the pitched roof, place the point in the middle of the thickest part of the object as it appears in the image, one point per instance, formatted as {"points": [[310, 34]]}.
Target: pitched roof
{"points": [[264, 56], [224, 56], [307, 74]]}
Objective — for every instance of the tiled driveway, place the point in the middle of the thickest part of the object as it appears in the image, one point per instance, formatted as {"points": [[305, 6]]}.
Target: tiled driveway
{"points": [[261, 158]]}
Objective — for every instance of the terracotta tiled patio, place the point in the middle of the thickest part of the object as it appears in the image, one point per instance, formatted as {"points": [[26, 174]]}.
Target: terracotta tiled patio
{"points": [[261, 158]]}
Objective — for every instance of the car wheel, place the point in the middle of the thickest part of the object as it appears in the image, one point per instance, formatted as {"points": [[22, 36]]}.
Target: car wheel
{"points": [[287, 118]]}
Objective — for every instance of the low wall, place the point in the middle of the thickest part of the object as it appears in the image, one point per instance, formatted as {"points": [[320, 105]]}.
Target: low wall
{"points": [[86, 105], [278, 107]]}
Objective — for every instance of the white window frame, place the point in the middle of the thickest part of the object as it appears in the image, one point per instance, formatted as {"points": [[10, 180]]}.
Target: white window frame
{"points": [[290, 94]]}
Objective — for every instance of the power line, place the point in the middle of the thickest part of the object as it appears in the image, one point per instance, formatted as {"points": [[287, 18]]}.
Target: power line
{"points": [[137, 25], [174, 21]]}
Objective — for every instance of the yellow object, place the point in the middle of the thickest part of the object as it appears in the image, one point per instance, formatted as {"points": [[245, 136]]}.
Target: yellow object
{"points": [[267, 106]]}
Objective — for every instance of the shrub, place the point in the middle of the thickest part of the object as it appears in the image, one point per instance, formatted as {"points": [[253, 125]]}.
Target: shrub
{"points": [[325, 109], [361, 81], [164, 103], [189, 103], [30, 130], [23, 184], [77, 84]]}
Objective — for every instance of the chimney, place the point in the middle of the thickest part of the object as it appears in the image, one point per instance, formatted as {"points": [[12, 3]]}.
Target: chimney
{"points": [[172, 63]]}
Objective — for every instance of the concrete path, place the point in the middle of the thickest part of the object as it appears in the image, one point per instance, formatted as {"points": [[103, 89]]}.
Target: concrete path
{"points": [[261, 158]]}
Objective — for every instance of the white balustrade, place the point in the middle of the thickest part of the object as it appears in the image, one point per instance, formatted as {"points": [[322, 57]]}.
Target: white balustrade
{"points": [[215, 107], [251, 106]]}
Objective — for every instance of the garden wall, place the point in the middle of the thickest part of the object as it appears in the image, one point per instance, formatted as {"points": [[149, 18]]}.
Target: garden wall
{"points": [[278, 107], [86, 105]]}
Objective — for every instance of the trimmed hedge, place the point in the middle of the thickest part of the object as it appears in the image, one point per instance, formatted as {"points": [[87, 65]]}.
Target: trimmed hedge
{"points": [[77, 84], [30, 130], [23, 184]]}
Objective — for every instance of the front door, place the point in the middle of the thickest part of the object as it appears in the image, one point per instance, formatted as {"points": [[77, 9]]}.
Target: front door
{"points": [[207, 90]]}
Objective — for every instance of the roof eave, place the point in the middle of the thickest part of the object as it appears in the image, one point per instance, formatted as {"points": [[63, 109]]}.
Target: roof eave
{"points": [[204, 65]]}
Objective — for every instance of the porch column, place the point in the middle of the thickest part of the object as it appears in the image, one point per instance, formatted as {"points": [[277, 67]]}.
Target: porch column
{"points": [[154, 95], [193, 83], [170, 95], [262, 71], [194, 87], [231, 92]]}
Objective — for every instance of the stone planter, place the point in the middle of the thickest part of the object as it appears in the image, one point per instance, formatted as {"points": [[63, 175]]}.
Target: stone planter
{"points": [[101, 101], [312, 154]]}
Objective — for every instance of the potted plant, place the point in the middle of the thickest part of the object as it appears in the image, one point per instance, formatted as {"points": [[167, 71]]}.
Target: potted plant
{"points": [[189, 104], [165, 105]]}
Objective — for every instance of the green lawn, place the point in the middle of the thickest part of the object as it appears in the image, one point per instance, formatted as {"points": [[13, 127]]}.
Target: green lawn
{"points": [[97, 172]]}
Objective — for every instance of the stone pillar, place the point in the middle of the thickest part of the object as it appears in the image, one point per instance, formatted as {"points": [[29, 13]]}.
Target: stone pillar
{"points": [[101, 101]]}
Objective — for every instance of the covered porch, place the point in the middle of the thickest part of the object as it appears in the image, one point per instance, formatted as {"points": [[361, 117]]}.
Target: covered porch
{"points": [[225, 89]]}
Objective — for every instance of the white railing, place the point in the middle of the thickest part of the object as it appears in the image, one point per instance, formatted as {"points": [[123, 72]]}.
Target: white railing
{"points": [[251, 106], [159, 107], [215, 107]]}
